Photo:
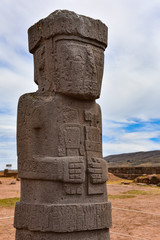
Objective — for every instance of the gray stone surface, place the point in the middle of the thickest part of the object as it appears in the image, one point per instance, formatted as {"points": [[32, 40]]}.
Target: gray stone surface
{"points": [[59, 134]]}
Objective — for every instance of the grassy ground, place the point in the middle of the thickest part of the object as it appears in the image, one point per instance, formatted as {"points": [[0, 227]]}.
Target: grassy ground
{"points": [[119, 181], [8, 202], [110, 197], [142, 221], [142, 192], [134, 192]]}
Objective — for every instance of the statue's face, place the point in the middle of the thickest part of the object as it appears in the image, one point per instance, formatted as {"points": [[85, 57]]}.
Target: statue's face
{"points": [[79, 69]]}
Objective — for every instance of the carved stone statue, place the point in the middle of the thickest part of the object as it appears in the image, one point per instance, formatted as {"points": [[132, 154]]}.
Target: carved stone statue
{"points": [[59, 134]]}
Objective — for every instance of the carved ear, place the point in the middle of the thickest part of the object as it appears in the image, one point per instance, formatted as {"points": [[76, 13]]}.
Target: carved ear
{"points": [[39, 65]]}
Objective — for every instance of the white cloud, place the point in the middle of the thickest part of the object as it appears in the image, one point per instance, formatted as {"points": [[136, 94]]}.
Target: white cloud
{"points": [[131, 82], [7, 140], [124, 142], [121, 147], [130, 136]]}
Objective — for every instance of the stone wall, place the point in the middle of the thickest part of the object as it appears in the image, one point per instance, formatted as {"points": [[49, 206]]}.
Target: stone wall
{"points": [[133, 172], [10, 173]]}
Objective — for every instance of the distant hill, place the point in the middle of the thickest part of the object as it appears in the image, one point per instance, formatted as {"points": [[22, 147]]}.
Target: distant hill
{"points": [[137, 159]]}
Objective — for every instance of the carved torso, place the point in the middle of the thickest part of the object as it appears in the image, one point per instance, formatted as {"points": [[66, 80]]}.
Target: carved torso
{"points": [[62, 142]]}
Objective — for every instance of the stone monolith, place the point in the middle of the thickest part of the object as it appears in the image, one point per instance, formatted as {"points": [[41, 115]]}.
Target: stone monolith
{"points": [[59, 134]]}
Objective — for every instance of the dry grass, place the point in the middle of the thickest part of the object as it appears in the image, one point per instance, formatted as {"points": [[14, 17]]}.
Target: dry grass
{"points": [[120, 196], [119, 181], [8, 202]]}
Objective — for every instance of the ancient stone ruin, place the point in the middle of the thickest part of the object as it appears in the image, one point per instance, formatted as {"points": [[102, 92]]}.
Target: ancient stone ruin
{"points": [[59, 136]]}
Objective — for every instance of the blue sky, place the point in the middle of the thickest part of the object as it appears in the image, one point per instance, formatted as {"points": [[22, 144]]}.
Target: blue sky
{"points": [[131, 84]]}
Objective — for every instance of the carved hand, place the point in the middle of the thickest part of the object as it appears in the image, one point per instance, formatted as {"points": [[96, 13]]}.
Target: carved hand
{"points": [[74, 170], [97, 170]]}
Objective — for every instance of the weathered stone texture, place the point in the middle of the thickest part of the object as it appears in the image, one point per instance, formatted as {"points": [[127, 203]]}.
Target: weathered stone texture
{"points": [[59, 134], [133, 172]]}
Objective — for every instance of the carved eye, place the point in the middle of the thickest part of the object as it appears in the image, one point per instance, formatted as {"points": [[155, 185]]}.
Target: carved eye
{"points": [[78, 58]]}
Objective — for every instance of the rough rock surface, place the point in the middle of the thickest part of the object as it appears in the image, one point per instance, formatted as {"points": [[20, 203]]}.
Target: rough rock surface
{"points": [[59, 135], [148, 179]]}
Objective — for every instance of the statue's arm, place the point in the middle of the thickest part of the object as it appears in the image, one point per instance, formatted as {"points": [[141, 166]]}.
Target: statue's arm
{"points": [[65, 169]]}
